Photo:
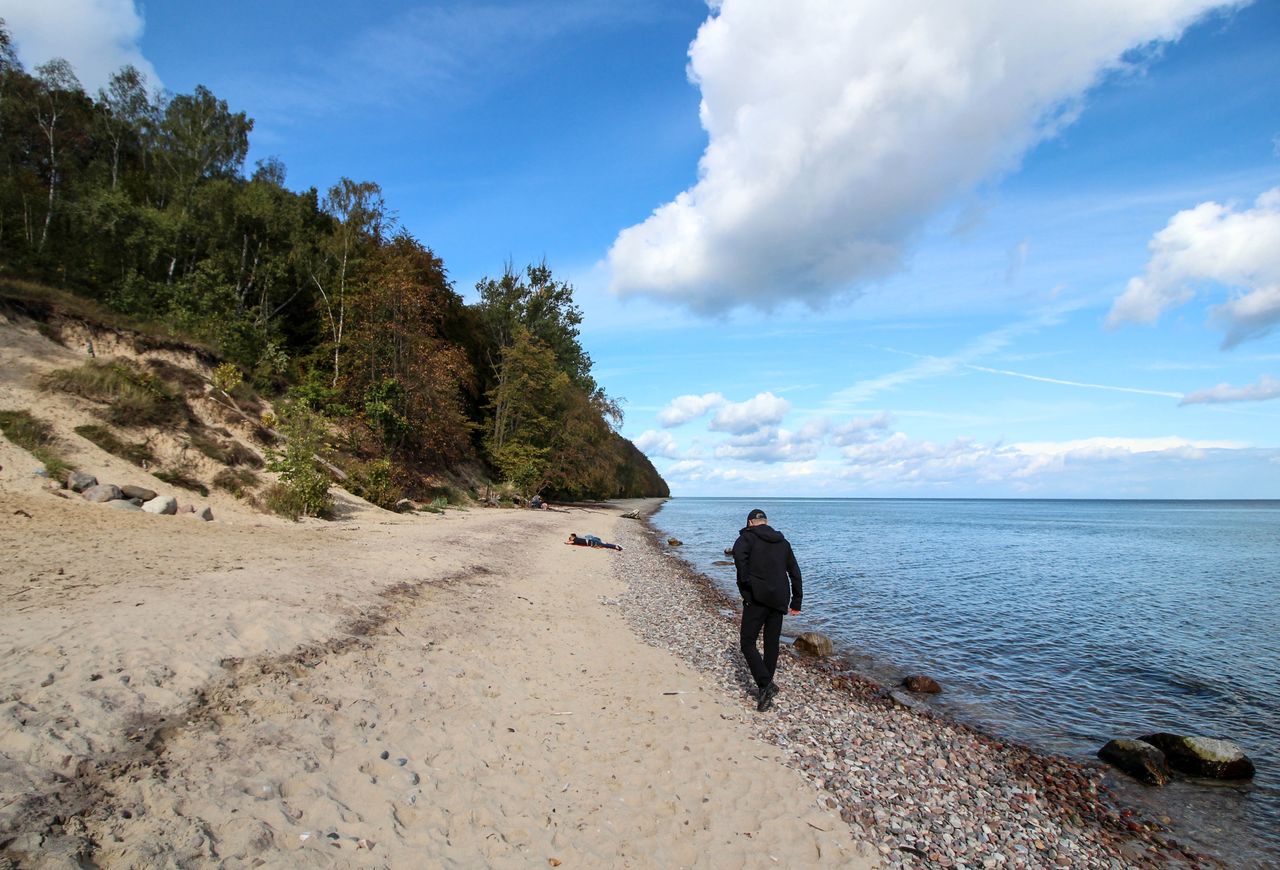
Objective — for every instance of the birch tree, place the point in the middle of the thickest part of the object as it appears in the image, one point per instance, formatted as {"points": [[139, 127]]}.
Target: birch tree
{"points": [[359, 214], [124, 107], [57, 88]]}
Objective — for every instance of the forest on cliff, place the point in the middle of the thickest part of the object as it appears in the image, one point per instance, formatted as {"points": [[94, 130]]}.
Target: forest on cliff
{"points": [[141, 203]]}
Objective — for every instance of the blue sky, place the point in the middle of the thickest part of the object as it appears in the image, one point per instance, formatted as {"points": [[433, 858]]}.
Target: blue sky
{"points": [[824, 248]]}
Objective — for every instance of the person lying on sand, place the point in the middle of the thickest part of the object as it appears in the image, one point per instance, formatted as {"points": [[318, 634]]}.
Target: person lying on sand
{"points": [[590, 541]]}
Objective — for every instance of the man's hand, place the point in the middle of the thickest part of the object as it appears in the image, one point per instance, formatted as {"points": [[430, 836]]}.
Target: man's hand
{"points": [[794, 612]]}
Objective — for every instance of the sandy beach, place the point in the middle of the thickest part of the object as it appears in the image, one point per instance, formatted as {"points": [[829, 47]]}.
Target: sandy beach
{"points": [[386, 691]]}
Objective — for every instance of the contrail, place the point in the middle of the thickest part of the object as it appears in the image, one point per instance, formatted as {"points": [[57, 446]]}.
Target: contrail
{"points": [[1163, 393]]}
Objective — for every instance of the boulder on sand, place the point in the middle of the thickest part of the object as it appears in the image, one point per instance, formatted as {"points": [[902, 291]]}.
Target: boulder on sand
{"points": [[162, 505], [138, 492], [122, 504], [1206, 757], [1137, 758], [102, 492], [78, 481], [814, 644]]}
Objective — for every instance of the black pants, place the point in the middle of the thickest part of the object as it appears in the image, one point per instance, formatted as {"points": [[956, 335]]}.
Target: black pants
{"points": [[754, 618]]}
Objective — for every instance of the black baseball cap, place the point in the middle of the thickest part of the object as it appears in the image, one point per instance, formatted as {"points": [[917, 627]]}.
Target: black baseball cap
{"points": [[756, 514]]}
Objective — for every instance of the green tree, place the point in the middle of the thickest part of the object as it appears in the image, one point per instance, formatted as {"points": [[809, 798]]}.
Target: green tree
{"points": [[304, 483], [200, 138], [270, 170], [8, 52], [525, 404], [124, 109], [58, 89], [359, 215], [408, 375], [543, 306], [9, 66], [11, 75]]}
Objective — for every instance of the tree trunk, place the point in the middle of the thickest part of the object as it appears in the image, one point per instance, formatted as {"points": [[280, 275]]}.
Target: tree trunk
{"points": [[53, 184]]}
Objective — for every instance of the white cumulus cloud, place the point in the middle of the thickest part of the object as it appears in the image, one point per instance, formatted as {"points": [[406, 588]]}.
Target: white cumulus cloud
{"points": [[1102, 447], [685, 408], [1267, 387], [774, 444], [758, 412], [902, 460], [837, 127], [655, 443], [860, 430], [685, 467], [1213, 243], [96, 37]]}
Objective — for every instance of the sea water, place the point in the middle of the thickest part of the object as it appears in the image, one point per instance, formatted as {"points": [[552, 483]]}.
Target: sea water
{"points": [[1059, 624]]}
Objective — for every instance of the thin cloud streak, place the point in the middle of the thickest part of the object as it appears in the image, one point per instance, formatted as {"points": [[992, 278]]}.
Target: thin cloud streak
{"points": [[1066, 383], [937, 366], [446, 55]]}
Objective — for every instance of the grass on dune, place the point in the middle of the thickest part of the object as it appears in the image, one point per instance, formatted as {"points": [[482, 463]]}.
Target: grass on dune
{"points": [[136, 453], [180, 478], [36, 437], [133, 396]]}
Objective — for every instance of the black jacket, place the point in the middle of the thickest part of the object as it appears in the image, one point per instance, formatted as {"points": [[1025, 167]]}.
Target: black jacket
{"points": [[764, 561]]}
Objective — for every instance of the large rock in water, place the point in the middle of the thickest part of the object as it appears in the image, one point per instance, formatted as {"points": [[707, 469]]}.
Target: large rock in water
{"points": [[814, 644], [161, 505], [139, 492], [1137, 758], [1203, 756], [920, 683], [103, 492], [78, 481]]}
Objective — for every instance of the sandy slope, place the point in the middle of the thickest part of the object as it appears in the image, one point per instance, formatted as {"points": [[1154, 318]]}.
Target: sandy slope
{"points": [[186, 694], [26, 357]]}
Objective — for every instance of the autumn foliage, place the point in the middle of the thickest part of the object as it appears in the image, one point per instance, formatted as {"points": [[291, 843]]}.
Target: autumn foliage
{"points": [[139, 202]]}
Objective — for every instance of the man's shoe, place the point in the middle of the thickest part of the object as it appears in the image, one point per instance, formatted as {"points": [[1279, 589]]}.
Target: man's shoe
{"points": [[766, 698]]}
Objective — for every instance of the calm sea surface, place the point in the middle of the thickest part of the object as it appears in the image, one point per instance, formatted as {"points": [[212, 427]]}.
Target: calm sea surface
{"points": [[1060, 624]]}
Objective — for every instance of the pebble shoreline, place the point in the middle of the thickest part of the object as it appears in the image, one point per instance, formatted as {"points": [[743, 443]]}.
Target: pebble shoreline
{"points": [[924, 791]]}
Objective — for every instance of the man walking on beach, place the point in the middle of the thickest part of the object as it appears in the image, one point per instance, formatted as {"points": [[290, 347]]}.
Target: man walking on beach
{"points": [[769, 581]]}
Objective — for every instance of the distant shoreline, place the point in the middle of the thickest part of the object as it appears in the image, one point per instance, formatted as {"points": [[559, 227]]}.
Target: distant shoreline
{"points": [[777, 498]]}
